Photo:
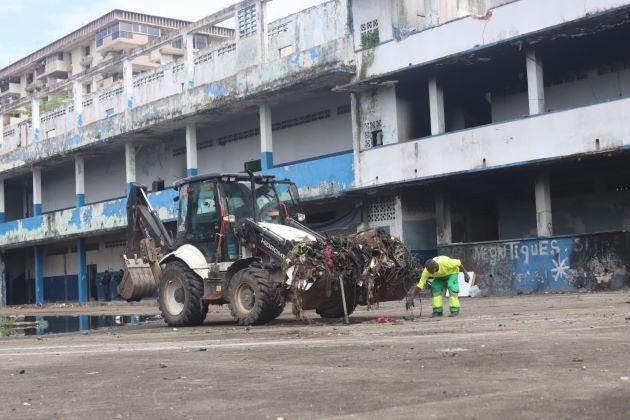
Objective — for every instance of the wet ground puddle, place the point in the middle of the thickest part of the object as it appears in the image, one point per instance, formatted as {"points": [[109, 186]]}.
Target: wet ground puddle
{"points": [[42, 325]]}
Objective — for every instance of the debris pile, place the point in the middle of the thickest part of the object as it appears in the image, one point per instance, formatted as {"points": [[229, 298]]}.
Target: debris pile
{"points": [[388, 268], [315, 269], [374, 267]]}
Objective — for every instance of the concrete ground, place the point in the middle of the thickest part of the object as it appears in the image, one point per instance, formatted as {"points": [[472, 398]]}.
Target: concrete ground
{"points": [[546, 356]]}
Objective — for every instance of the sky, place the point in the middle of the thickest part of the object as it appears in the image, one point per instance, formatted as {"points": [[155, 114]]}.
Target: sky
{"points": [[28, 25]]}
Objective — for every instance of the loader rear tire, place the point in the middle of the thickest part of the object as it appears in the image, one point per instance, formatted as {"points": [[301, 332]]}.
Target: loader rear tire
{"points": [[180, 296], [254, 298]]}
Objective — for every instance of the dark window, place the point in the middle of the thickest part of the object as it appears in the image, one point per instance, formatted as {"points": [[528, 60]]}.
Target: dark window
{"points": [[200, 42], [203, 218], [86, 51], [377, 138], [60, 56], [158, 185]]}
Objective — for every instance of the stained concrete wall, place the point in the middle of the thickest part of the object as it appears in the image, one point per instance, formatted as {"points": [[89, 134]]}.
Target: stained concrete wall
{"points": [[520, 142], [105, 177], [419, 224], [58, 188], [591, 262], [330, 133], [595, 88], [590, 213], [89, 219], [158, 161], [378, 110], [509, 21]]}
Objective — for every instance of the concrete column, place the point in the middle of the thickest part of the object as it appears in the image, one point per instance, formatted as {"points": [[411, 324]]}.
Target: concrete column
{"points": [[431, 13], [266, 137], [3, 280], [37, 191], [128, 82], [543, 206], [39, 250], [2, 205], [261, 13], [77, 94], [443, 220], [436, 107], [130, 164], [82, 286], [79, 181], [535, 83], [398, 230], [35, 119], [39, 274], [189, 60], [191, 150], [356, 137]]}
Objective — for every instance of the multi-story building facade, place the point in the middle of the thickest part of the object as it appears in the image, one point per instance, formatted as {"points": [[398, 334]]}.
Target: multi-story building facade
{"points": [[491, 130]]}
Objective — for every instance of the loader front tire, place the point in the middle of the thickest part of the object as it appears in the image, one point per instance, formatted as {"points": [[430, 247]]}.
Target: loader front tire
{"points": [[254, 298], [180, 296]]}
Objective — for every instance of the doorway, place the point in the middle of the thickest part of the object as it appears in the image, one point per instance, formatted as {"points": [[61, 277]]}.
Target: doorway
{"points": [[91, 278]]}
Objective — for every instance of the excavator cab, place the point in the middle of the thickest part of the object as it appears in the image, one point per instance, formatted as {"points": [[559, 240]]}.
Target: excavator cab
{"points": [[239, 240], [289, 199], [230, 243], [211, 207]]}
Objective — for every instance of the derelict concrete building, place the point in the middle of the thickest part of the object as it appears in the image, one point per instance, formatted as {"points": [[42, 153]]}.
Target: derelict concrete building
{"points": [[491, 130]]}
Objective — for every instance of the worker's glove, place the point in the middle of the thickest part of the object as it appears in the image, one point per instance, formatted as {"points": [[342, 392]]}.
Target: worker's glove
{"points": [[409, 303], [466, 277]]}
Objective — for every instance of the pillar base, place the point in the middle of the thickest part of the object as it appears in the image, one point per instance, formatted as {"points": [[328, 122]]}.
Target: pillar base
{"points": [[82, 286], [266, 160], [39, 274]]}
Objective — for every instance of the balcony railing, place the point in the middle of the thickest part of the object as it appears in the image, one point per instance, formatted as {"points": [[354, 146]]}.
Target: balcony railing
{"points": [[91, 218], [214, 69]]}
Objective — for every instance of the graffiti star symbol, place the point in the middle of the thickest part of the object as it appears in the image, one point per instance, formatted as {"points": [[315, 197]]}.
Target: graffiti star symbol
{"points": [[560, 269]]}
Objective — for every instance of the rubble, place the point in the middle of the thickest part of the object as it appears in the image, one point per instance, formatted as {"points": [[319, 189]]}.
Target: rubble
{"points": [[373, 265]]}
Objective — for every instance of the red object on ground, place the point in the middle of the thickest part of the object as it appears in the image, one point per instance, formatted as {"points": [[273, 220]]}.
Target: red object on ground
{"points": [[385, 319]]}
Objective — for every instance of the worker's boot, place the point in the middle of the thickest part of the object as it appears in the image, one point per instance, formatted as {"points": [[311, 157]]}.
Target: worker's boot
{"points": [[436, 314], [454, 314]]}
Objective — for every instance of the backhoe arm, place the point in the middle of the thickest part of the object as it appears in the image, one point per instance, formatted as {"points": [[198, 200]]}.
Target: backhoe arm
{"points": [[147, 241]]}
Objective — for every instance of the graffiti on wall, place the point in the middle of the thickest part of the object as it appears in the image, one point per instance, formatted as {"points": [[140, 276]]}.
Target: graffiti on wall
{"points": [[593, 262]]}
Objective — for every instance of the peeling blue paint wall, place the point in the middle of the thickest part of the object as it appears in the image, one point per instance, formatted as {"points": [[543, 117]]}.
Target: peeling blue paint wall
{"points": [[91, 218], [326, 175], [591, 262]]}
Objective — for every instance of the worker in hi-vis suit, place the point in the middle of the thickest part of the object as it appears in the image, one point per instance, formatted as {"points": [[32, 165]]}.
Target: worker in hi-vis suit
{"points": [[444, 271]]}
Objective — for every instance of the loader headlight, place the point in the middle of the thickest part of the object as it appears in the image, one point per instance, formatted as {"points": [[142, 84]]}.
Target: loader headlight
{"points": [[230, 218], [300, 217]]}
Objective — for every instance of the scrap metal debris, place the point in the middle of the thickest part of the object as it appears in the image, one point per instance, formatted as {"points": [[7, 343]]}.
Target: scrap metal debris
{"points": [[373, 266]]}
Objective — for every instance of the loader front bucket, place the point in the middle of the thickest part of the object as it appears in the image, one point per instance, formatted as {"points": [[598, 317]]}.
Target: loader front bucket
{"points": [[138, 281]]}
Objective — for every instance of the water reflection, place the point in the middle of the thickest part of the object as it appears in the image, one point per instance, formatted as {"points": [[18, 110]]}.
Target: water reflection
{"points": [[41, 325]]}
